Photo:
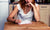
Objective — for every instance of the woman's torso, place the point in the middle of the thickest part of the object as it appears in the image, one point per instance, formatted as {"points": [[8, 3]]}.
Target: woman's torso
{"points": [[22, 16]]}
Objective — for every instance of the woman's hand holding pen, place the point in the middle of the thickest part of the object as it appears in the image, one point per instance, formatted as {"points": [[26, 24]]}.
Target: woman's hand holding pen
{"points": [[17, 21]]}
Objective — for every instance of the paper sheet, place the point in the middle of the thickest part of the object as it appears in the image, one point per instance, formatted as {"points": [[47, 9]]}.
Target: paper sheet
{"points": [[25, 22]]}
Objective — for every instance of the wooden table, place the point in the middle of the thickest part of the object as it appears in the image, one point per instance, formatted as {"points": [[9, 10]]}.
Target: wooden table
{"points": [[34, 26]]}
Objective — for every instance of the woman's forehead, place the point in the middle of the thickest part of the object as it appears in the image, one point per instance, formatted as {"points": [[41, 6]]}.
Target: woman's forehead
{"points": [[29, 0]]}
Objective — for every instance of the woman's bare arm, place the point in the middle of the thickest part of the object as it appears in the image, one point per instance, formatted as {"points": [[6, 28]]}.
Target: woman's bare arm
{"points": [[36, 12], [12, 14]]}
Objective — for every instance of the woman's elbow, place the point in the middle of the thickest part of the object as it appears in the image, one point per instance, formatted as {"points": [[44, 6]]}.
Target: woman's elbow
{"points": [[38, 19], [8, 19]]}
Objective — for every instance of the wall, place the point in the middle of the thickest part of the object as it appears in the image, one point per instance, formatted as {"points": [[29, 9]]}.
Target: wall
{"points": [[3, 13], [44, 13]]}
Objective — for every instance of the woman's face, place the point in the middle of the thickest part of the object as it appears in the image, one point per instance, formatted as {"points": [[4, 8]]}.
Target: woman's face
{"points": [[28, 1]]}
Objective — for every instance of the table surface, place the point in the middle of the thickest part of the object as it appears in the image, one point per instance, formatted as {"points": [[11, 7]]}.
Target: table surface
{"points": [[33, 26]]}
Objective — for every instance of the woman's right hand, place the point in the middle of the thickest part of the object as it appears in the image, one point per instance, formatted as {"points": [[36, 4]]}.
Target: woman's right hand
{"points": [[18, 21]]}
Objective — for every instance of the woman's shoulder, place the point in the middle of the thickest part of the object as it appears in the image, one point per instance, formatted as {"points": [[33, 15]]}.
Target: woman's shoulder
{"points": [[18, 5]]}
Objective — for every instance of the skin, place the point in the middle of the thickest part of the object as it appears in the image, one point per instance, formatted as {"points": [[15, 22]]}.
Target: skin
{"points": [[28, 0], [35, 11]]}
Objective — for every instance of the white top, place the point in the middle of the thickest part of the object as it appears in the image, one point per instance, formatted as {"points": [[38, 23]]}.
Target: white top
{"points": [[22, 16]]}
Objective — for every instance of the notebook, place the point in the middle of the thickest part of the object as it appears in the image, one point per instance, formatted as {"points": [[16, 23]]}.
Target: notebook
{"points": [[25, 22]]}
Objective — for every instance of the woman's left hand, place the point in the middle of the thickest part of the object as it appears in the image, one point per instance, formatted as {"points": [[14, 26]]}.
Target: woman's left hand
{"points": [[36, 11]]}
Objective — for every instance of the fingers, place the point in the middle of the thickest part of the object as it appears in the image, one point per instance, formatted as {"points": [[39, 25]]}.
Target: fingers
{"points": [[18, 21], [27, 3], [31, 4]]}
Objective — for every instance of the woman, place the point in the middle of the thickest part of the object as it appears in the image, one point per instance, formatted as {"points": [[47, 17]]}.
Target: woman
{"points": [[25, 9]]}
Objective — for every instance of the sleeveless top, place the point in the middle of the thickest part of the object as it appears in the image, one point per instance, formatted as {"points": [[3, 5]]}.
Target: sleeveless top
{"points": [[21, 16]]}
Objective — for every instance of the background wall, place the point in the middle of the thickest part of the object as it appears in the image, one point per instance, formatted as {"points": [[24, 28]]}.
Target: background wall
{"points": [[3, 13], [44, 13]]}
